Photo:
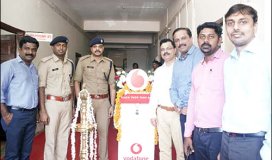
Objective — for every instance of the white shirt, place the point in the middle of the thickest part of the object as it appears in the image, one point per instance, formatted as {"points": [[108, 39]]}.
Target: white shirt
{"points": [[160, 89], [247, 81]]}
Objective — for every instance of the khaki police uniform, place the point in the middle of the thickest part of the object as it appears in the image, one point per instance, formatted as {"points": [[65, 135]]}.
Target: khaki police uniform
{"points": [[97, 76], [57, 78]]}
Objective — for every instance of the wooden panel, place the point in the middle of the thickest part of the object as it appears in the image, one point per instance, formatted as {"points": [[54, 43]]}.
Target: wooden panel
{"points": [[8, 47]]}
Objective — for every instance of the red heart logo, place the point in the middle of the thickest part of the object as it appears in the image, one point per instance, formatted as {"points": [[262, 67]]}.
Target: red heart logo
{"points": [[137, 80]]}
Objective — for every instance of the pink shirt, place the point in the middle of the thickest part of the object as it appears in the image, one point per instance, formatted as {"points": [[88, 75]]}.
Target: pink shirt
{"points": [[207, 95]]}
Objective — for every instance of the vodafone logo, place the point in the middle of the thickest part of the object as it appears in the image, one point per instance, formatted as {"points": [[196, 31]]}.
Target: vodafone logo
{"points": [[136, 148], [137, 79]]}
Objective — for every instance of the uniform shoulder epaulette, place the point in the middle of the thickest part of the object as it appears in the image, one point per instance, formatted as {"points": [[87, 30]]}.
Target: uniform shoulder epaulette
{"points": [[106, 58], [84, 57], [46, 58], [70, 60]]}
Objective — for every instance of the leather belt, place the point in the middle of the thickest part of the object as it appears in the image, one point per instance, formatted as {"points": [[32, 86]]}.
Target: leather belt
{"points": [[23, 109], [208, 130], [258, 134], [99, 96], [59, 98], [167, 108]]}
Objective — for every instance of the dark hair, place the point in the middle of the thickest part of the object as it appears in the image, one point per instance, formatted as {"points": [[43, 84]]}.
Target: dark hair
{"points": [[243, 9], [167, 40], [185, 29], [157, 62], [135, 64], [28, 39], [213, 25]]}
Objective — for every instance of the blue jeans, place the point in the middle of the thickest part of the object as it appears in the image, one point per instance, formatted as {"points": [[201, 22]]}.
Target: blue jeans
{"points": [[19, 134], [182, 122], [206, 144]]}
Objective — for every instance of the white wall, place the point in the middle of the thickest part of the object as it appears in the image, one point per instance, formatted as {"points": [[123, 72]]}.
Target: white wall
{"points": [[41, 16], [139, 56]]}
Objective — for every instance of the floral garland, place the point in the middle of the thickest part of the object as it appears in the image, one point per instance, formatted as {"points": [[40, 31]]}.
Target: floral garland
{"points": [[92, 136], [117, 111], [120, 79]]}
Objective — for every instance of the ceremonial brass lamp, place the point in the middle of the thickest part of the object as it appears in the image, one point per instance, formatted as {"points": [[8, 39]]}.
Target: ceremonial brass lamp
{"points": [[84, 127]]}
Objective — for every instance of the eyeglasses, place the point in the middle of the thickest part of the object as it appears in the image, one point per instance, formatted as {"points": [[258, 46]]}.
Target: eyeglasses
{"points": [[166, 49], [209, 36]]}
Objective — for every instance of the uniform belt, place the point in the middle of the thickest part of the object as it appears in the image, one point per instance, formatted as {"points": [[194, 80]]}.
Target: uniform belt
{"points": [[208, 130], [59, 98], [23, 109], [99, 96], [167, 108], [258, 134]]}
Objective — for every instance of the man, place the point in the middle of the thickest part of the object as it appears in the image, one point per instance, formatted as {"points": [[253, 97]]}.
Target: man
{"points": [[189, 56], [97, 73], [247, 80], [206, 99], [155, 65], [56, 98], [19, 100], [165, 116]]}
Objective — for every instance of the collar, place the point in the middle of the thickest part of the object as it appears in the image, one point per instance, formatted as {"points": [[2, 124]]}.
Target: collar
{"points": [[20, 60], [55, 58], [216, 55], [190, 51], [93, 59], [253, 47]]}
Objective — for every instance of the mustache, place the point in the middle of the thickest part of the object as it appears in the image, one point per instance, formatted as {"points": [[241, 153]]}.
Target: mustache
{"points": [[181, 45], [97, 51], [236, 32], [206, 44], [166, 53]]}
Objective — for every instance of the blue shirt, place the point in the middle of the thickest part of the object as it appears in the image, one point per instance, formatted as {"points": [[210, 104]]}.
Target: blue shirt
{"points": [[19, 84], [182, 79]]}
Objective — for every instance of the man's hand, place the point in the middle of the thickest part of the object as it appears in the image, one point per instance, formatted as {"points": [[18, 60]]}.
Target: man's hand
{"points": [[8, 117], [111, 111], [154, 121], [188, 146], [177, 109], [44, 118]]}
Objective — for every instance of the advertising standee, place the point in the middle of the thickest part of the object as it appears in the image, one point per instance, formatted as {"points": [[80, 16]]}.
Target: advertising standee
{"points": [[135, 131]]}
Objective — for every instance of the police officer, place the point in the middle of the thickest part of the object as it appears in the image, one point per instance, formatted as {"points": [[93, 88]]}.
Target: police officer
{"points": [[56, 98], [97, 73]]}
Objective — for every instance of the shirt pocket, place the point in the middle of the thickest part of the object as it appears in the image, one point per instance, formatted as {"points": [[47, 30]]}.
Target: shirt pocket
{"points": [[55, 74], [89, 71]]}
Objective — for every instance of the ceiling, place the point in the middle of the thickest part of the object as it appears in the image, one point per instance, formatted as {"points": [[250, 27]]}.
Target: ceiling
{"points": [[151, 10], [120, 10]]}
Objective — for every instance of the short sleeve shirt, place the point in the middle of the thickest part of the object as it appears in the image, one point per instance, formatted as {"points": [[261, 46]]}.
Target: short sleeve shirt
{"points": [[95, 75], [56, 75]]}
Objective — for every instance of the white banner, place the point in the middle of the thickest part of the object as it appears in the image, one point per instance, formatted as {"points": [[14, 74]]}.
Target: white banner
{"points": [[137, 135]]}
